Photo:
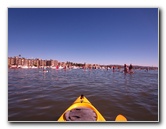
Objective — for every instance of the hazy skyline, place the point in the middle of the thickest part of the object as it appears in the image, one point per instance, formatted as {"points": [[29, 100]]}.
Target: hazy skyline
{"points": [[91, 35]]}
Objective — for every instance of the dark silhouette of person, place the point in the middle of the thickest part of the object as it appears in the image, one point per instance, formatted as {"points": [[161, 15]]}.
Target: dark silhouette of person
{"points": [[130, 68], [125, 68]]}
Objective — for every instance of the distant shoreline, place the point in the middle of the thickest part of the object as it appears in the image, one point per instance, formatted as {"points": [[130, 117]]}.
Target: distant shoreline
{"points": [[21, 62]]}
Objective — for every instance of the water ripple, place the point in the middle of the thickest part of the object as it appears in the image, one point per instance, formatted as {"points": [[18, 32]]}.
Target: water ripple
{"points": [[35, 96]]}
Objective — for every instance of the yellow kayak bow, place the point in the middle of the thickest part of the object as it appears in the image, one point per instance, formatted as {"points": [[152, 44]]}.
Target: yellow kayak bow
{"points": [[83, 110]]}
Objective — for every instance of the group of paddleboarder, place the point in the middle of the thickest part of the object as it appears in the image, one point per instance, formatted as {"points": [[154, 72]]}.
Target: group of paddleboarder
{"points": [[128, 69]]}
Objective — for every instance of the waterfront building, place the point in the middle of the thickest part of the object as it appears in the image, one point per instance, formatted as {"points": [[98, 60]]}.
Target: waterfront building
{"points": [[43, 62], [19, 61], [48, 62], [54, 63], [10, 61], [40, 62], [16, 60], [25, 62], [36, 62]]}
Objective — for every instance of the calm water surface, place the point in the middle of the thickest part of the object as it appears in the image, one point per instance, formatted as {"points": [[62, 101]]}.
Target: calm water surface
{"points": [[37, 96]]}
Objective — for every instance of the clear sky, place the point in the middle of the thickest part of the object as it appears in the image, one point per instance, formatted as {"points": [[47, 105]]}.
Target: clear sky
{"points": [[91, 35]]}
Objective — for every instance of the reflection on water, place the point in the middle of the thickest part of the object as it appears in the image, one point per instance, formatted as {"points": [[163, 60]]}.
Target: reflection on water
{"points": [[37, 96]]}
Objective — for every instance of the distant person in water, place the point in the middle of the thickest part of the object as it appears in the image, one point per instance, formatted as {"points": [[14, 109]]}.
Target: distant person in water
{"points": [[130, 68], [125, 68], [44, 68], [113, 68]]}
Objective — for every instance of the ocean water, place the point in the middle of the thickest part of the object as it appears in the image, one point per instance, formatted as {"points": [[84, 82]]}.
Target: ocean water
{"points": [[37, 96]]}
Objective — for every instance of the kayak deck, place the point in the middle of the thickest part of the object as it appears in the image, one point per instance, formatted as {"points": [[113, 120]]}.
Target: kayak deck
{"points": [[81, 110]]}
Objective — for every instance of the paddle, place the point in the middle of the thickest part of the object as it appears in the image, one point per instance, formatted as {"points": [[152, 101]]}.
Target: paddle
{"points": [[120, 118]]}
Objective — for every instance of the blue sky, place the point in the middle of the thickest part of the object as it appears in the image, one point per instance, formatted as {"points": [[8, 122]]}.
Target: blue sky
{"points": [[91, 35]]}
